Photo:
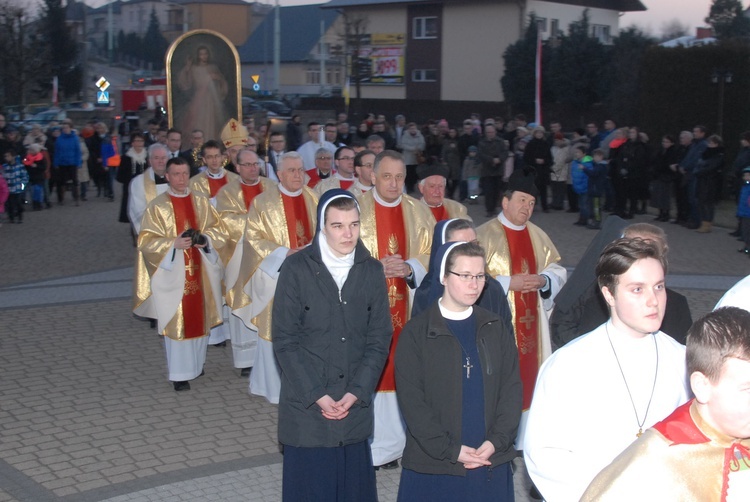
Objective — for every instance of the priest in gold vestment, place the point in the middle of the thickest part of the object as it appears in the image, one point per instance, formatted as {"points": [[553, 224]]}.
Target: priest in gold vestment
{"points": [[701, 451], [214, 176], [233, 202], [146, 186], [280, 222], [178, 278], [397, 230], [524, 260]]}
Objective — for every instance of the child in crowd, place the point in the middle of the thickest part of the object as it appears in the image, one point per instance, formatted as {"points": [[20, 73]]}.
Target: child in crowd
{"points": [[743, 210], [35, 165], [597, 175], [471, 170], [581, 163], [16, 176]]}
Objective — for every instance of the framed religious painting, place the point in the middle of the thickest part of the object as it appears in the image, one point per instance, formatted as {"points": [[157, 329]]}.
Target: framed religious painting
{"points": [[203, 84]]}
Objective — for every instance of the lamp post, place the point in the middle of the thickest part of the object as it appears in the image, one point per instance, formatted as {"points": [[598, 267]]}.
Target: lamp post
{"points": [[721, 77]]}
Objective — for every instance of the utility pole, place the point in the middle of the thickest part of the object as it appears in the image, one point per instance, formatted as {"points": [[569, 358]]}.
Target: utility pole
{"points": [[277, 50], [322, 55]]}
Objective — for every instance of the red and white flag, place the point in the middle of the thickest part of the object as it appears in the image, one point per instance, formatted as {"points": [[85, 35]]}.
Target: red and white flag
{"points": [[538, 87]]}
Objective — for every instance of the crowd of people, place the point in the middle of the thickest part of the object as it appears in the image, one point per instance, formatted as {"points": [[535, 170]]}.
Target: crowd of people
{"points": [[389, 327]]}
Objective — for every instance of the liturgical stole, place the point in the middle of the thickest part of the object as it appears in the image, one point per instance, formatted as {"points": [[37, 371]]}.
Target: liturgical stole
{"points": [[391, 241], [297, 221], [192, 294], [527, 311], [249, 192], [215, 184], [440, 213]]}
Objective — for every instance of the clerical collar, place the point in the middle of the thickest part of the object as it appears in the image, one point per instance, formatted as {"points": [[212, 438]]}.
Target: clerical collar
{"points": [[428, 205], [289, 193], [251, 184], [454, 316], [324, 176], [506, 222], [218, 176], [364, 188], [384, 203], [338, 175], [175, 194]]}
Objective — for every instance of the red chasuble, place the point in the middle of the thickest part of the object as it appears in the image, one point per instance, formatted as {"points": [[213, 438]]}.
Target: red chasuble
{"points": [[192, 294], [527, 315], [215, 184], [392, 240], [346, 184], [314, 177], [249, 192], [440, 213], [297, 222]]}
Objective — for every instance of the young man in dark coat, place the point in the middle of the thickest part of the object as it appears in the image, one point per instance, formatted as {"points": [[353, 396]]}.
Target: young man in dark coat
{"points": [[331, 334]]}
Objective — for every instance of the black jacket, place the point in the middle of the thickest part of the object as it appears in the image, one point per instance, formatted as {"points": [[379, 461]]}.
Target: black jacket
{"points": [[326, 344], [429, 387]]}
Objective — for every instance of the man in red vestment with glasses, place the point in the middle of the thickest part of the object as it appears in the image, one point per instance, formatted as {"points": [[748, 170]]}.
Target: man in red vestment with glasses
{"points": [[178, 272]]}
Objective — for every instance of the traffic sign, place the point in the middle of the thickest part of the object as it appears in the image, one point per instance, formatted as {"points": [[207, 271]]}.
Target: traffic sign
{"points": [[102, 84], [102, 98], [256, 87], [255, 78]]}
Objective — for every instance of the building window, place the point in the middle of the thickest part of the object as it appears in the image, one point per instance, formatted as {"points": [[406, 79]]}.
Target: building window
{"points": [[541, 24], [425, 27], [554, 28], [424, 76], [312, 77], [601, 33]]}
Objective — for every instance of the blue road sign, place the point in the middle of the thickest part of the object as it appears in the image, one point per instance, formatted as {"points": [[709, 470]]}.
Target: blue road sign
{"points": [[102, 98]]}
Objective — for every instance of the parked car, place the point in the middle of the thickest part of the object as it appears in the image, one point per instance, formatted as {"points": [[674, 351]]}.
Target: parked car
{"points": [[276, 108], [44, 118]]}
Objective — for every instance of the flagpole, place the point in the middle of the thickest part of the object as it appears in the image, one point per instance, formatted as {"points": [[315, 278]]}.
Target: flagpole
{"points": [[538, 74]]}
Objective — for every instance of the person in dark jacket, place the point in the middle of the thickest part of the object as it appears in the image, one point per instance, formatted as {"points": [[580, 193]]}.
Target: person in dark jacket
{"points": [[665, 174], [633, 161], [493, 297], [539, 156], [740, 163], [133, 163], [492, 153], [331, 334], [459, 390], [708, 176]]}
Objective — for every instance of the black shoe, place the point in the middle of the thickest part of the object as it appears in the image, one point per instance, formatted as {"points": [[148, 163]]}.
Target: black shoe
{"points": [[220, 344], [390, 465], [692, 226], [180, 386], [534, 493], [152, 323], [245, 372]]}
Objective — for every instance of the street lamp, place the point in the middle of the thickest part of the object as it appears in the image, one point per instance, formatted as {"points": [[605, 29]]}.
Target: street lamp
{"points": [[721, 77]]}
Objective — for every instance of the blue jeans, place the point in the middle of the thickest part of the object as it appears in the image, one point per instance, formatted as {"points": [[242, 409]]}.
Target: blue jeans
{"points": [[583, 206]]}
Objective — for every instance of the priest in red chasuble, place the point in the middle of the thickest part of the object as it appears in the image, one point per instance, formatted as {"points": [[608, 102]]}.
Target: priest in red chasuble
{"points": [[213, 177], [432, 181], [233, 202], [280, 222], [702, 450], [523, 259], [397, 230], [178, 272]]}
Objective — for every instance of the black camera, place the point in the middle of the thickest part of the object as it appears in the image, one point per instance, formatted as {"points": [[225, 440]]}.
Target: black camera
{"points": [[196, 238]]}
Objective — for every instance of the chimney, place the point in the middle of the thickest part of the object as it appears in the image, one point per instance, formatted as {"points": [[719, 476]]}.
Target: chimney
{"points": [[701, 33]]}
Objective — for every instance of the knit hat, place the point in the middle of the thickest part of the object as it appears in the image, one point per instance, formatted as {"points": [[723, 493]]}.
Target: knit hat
{"points": [[234, 134], [746, 170], [426, 170]]}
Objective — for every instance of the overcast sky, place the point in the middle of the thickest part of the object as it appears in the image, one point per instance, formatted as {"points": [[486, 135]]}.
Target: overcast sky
{"points": [[688, 12]]}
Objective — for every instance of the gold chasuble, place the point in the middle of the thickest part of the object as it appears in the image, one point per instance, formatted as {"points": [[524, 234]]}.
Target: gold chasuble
{"points": [[681, 458], [185, 297], [192, 294], [273, 220], [405, 230], [527, 251], [210, 186]]}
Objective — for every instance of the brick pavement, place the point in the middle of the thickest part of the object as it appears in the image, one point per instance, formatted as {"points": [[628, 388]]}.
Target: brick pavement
{"points": [[86, 413]]}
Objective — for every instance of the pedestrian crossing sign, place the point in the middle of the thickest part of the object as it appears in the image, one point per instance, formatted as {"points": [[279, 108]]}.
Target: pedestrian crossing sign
{"points": [[102, 98]]}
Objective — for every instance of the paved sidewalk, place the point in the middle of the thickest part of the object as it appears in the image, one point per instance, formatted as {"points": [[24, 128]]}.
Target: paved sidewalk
{"points": [[86, 412]]}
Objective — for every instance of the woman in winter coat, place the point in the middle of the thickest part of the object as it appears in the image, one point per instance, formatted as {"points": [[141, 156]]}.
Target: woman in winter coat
{"points": [[133, 163], [708, 173]]}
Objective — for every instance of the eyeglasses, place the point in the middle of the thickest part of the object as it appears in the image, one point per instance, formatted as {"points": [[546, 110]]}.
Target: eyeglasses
{"points": [[469, 277], [346, 158], [214, 156], [324, 158], [249, 164]]}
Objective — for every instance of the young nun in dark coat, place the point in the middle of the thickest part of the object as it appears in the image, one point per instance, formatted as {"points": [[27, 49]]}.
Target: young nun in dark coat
{"points": [[331, 334]]}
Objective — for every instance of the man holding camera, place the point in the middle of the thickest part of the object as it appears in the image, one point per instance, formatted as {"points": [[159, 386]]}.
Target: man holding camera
{"points": [[178, 272]]}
